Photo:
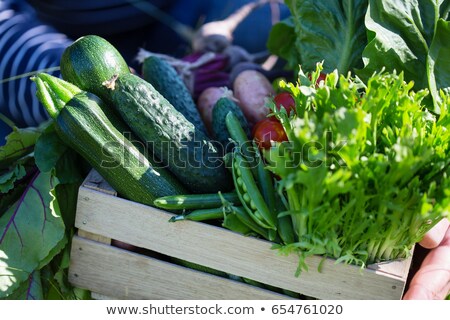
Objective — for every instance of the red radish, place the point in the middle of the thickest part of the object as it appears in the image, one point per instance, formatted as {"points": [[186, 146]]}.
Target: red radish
{"points": [[268, 130], [206, 101], [251, 88]]}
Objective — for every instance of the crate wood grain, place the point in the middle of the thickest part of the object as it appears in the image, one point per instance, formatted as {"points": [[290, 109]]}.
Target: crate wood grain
{"points": [[115, 272]]}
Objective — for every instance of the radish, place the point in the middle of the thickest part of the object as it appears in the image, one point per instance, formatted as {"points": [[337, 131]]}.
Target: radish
{"points": [[251, 88]]}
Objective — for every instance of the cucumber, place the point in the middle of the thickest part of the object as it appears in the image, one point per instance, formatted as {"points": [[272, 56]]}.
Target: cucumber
{"points": [[219, 113], [165, 79], [185, 150], [82, 124]]}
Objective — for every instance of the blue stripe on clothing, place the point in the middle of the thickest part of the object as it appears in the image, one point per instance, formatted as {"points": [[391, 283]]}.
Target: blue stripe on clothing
{"points": [[25, 46]]}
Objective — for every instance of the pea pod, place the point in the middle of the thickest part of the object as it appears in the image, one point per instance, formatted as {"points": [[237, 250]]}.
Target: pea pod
{"points": [[195, 201], [200, 215], [252, 155], [265, 182], [286, 230], [232, 222], [249, 194], [245, 218], [238, 134]]}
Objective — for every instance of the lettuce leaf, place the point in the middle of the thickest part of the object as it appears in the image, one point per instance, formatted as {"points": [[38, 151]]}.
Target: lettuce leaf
{"points": [[410, 36], [331, 31]]}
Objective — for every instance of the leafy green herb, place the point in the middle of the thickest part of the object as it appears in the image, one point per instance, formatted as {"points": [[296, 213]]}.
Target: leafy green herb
{"points": [[366, 168]]}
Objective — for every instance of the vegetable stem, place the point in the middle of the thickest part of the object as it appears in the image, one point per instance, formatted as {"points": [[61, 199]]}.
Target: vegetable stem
{"points": [[44, 96]]}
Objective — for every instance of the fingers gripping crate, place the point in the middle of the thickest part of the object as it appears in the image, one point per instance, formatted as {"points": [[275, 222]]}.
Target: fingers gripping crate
{"points": [[117, 273]]}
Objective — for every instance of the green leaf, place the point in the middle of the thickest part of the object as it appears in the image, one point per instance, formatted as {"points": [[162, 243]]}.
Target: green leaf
{"points": [[49, 149], [281, 42], [19, 143], [8, 179], [31, 289], [439, 59], [53, 155], [31, 233], [409, 36], [67, 195], [331, 31]]}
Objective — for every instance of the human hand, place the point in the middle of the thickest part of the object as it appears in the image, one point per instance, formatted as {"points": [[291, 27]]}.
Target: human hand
{"points": [[432, 280]]}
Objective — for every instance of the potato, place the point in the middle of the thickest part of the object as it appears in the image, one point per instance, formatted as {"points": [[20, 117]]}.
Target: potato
{"points": [[251, 88]]}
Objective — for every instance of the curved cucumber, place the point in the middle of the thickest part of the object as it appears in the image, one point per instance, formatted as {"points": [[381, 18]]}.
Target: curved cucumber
{"points": [[186, 151], [164, 78]]}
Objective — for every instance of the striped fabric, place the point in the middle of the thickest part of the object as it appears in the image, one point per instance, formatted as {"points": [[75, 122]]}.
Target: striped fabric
{"points": [[25, 46]]}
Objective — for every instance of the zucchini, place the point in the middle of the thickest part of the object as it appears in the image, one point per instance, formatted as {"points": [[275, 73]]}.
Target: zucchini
{"points": [[165, 79], [90, 74], [185, 150], [82, 124]]}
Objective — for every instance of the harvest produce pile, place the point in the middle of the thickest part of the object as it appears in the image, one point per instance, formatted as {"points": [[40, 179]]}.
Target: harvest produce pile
{"points": [[346, 157]]}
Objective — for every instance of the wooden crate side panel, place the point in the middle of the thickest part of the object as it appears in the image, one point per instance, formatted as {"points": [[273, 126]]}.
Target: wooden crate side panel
{"points": [[223, 250], [118, 273]]}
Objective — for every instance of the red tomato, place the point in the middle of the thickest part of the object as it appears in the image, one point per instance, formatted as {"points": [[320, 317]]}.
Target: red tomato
{"points": [[285, 100], [268, 130]]}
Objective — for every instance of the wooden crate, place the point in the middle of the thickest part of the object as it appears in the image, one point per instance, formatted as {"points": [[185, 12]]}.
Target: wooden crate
{"points": [[108, 271]]}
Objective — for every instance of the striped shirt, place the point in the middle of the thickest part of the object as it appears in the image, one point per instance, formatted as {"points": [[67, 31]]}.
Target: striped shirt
{"points": [[28, 44], [25, 46]]}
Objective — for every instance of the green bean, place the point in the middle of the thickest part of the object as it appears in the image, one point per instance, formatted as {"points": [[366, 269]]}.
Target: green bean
{"points": [[200, 215], [195, 201]]}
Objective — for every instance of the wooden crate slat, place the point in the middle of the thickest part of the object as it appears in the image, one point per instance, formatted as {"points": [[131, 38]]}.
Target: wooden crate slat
{"points": [[147, 227], [109, 271]]}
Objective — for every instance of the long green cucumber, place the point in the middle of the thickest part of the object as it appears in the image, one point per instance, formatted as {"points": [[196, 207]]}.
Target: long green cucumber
{"points": [[187, 152], [165, 79]]}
